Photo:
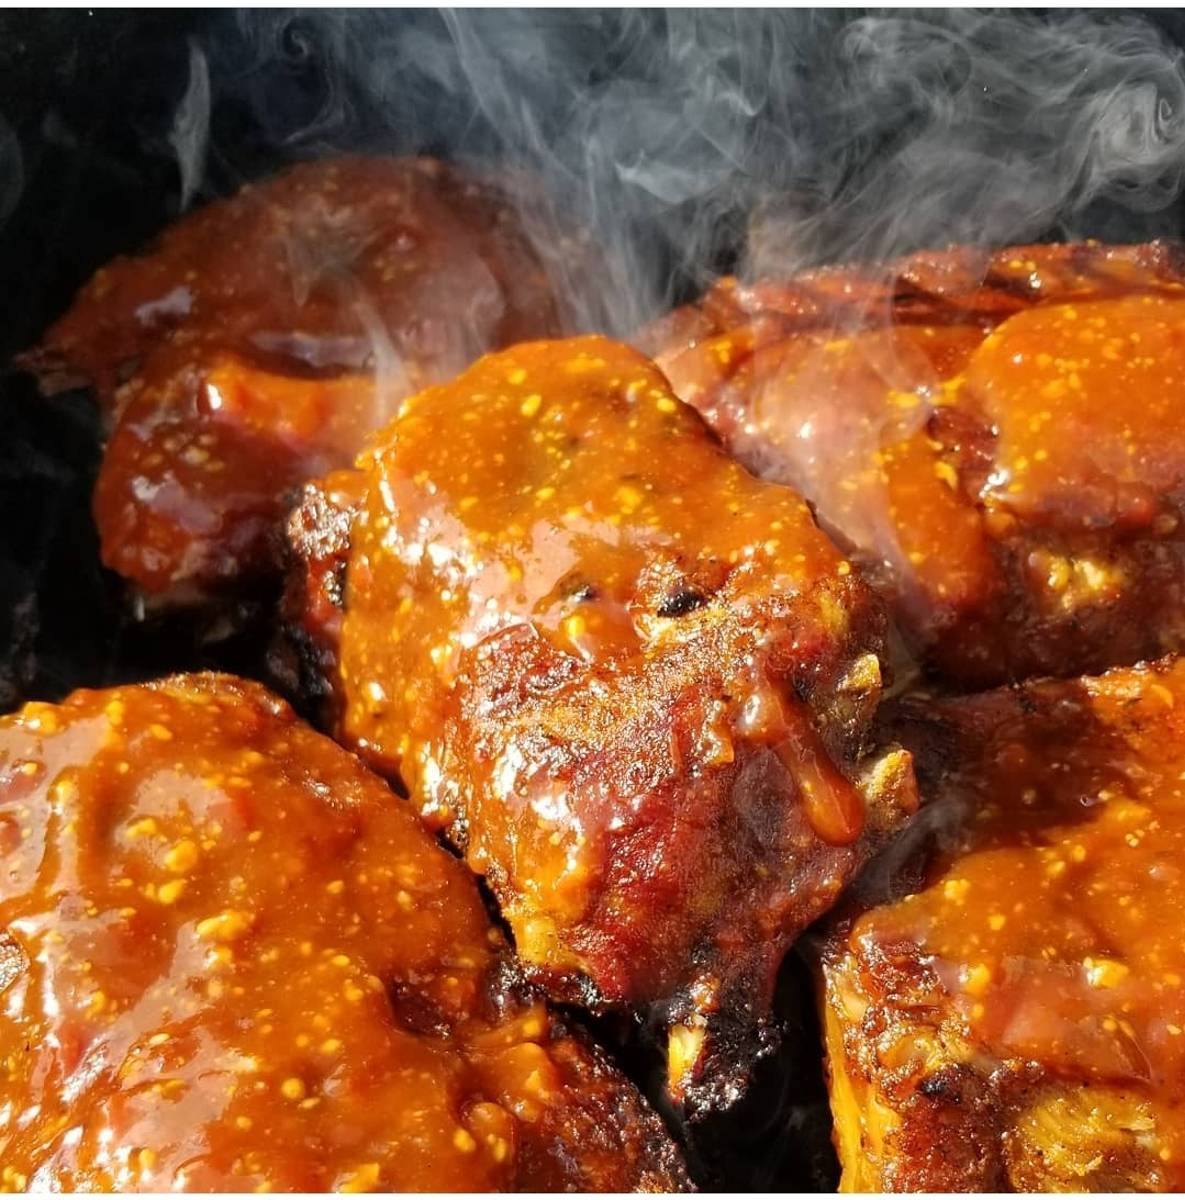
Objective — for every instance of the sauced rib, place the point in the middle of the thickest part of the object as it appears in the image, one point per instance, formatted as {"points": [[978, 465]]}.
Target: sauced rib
{"points": [[239, 356], [232, 960], [994, 435], [633, 682], [1013, 1014]]}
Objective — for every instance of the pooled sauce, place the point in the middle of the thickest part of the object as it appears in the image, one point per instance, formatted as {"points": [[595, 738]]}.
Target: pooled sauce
{"points": [[985, 433], [1052, 918], [1087, 401], [572, 495], [230, 959], [398, 270], [562, 597]]}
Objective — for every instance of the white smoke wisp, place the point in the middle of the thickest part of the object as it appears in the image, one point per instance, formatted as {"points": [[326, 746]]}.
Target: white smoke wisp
{"points": [[991, 129], [390, 372], [190, 134], [688, 142]]}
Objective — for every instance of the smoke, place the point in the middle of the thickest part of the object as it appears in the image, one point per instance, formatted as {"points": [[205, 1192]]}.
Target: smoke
{"points": [[191, 126], [690, 142], [991, 129]]}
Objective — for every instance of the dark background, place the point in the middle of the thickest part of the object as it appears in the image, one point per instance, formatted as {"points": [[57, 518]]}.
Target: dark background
{"points": [[87, 102]]}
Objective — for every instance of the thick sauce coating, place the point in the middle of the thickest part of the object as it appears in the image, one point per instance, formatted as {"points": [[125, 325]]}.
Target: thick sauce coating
{"points": [[996, 437], [401, 271], [632, 680], [1087, 400], [1042, 950], [230, 959], [190, 493]]}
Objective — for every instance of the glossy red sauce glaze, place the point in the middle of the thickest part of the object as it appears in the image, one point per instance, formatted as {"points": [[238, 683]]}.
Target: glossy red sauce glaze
{"points": [[631, 680], [995, 436], [392, 273], [191, 493], [1087, 401], [231, 959], [1045, 931]]}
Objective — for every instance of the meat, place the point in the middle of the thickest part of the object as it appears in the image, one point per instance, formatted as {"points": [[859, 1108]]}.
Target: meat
{"points": [[264, 336], [231, 960], [632, 682], [303, 661], [1011, 1013], [995, 437]]}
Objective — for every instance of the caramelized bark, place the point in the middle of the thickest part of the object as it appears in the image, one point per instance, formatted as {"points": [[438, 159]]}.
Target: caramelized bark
{"points": [[230, 959], [995, 437], [632, 681], [1013, 1015], [260, 340], [304, 658]]}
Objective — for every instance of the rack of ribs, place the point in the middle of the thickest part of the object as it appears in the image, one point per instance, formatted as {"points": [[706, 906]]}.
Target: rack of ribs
{"points": [[631, 681], [1007, 1010], [996, 437], [260, 340], [232, 960]]}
